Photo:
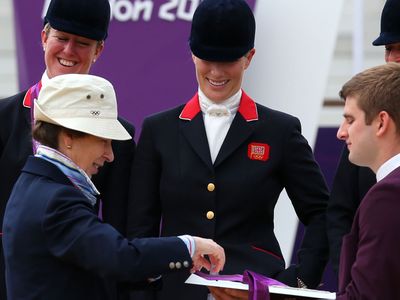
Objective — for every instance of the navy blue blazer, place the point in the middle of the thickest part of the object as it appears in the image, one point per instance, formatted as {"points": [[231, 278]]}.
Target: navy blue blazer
{"points": [[369, 261], [56, 247], [231, 201], [350, 185], [112, 181]]}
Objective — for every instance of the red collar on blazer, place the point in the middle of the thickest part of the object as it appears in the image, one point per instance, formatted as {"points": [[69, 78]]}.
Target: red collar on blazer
{"points": [[31, 93], [247, 108]]}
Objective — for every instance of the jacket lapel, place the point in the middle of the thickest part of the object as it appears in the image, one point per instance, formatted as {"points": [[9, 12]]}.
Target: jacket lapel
{"points": [[195, 134], [242, 127], [238, 133], [192, 128], [27, 116], [30, 96]]}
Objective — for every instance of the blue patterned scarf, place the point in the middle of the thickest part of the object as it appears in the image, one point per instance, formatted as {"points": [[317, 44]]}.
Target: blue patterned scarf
{"points": [[74, 173]]}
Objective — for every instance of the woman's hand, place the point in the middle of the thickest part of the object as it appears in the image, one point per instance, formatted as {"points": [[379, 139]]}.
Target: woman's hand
{"points": [[215, 253]]}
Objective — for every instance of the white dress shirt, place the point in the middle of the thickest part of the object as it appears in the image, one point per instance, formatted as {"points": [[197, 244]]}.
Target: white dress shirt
{"points": [[218, 118]]}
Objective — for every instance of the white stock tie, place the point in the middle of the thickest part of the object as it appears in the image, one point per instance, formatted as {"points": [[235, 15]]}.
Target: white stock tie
{"points": [[217, 122]]}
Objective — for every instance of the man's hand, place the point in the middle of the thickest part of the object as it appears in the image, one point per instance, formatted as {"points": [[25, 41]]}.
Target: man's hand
{"points": [[228, 294], [215, 253]]}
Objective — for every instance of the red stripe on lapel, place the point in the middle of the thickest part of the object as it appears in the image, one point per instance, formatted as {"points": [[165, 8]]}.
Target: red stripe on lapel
{"points": [[27, 99], [27, 102], [191, 109], [248, 108]]}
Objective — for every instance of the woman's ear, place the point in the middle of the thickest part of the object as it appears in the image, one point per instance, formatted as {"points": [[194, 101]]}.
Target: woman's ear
{"points": [[249, 56], [99, 50], [65, 141], [43, 37]]}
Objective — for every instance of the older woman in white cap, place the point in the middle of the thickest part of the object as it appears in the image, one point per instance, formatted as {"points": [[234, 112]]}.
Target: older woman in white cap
{"points": [[73, 39], [55, 245]]}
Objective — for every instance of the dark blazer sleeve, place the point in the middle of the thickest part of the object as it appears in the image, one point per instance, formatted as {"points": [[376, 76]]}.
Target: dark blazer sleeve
{"points": [[375, 271], [350, 185], [306, 187], [74, 234], [114, 180]]}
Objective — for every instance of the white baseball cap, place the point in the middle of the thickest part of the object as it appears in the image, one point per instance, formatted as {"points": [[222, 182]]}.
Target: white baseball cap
{"points": [[81, 102]]}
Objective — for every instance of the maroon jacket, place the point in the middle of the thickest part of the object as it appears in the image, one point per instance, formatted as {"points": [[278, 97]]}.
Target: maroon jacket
{"points": [[369, 262]]}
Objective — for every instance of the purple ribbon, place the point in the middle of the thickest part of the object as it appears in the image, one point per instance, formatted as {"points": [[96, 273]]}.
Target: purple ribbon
{"points": [[258, 284]]}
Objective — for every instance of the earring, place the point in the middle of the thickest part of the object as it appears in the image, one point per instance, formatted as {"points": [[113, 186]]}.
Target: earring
{"points": [[94, 60], [44, 48], [69, 146]]}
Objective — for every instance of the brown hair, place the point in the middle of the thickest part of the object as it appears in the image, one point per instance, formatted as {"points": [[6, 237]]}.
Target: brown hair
{"points": [[47, 133], [377, 89]]}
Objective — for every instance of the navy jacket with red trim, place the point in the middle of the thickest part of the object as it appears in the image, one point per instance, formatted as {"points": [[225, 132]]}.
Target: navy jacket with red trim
{"points": [[231, 201]]}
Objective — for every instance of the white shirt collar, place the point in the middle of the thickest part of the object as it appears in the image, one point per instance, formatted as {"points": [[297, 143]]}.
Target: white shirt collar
{"points": [[387, 167], [232, 103]]}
